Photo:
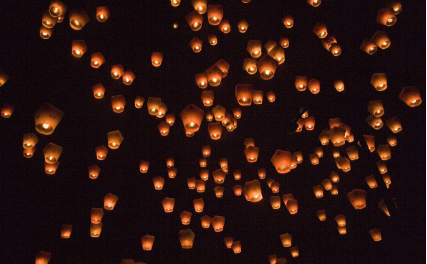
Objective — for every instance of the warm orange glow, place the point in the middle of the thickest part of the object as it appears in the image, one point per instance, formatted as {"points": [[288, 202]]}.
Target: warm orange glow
{"points": [[110, 201]]}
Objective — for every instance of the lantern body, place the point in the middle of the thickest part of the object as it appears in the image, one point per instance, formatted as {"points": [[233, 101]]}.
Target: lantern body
{"points": [[101, 152], [215, 14], [299, 156], [286, 240], [218, 223], [328, 42], [28, 153], [272, 259], [198, 204], [213, 40], [318, 191], [277, 53], [47, 118], [368, 46], [168, 204], [96, 215], [267, 67], [376, 108], [186, 237], [203, 162], [335, 49], [357, 198], [196, 44], [243, 94], [118, 103], [206, 151], [200, 186], [147, 242], [309, 123], [252, 191], [372, 183], [215, 130], [340, 219], [78, 48], [110, 201], [117, 71], [98, 91], [383, 207], [314, 86], [191, 183], [115, 138], [391, 140], [334, 176], [78, 19], [156, 59], [242, 25], [94, 171], [375, 234], [48, 21], [394, 125], [205, 221], [320, 30], [96, 60], [29, 140], [288, 21], [158, 183], [314, 3], [254, 48], [214, 75], [292, 206], [370, 142], [249, 65], [381, 40], [321, 214], [52, 152], [45, 33], [284, 42], [339, 85], [128, 77], [153, 105], [257, 96], [224, 26], [379, 81], [384, 151], [50, 169], [342, 230], [386, 17], [102, 13], [185, 217], [199, 5], [219, 191], [192, 117], [301, 83], [228, 242], [352, 152], [275, 202], [337, 136], [43, 257], [382, 166], [251, 154], [139, 101], [396, 6], [201, 80], [237, 190], [57, 8], [282, 161], [410, 95], [172, 172], [66, 231], [194, 20], [237, 247], [219, 176], [318, 151], [163, 128]]}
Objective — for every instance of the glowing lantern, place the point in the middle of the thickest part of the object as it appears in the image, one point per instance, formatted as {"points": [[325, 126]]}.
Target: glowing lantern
{"points": [[277, 53], [237, 112], [257, 96], [78, 19], [271, 96], [375, 234], [97, 59], [228, 242], [370, 142], [379, 81], [334, 176], [7, 110], [309, 123], [224, 26], [343, 164], [45, 33], [287, 197], [162, 111], [223, 66], [192, 117], [320, 30], [286, 240], [282, 161], [115, 138], [391, 140], [219, 176], [195, 21], [336, 153], [60, 19], [48, 21], [249, 65], [237, 174], [117, 71], [342, 230], [78, 48], [269, 182], [270, 45], [272, 259], [156, 59], [243, 94], [51, 153], [381, 40], [267, 67], [275, 202], [382, 166], [94, 171], [219, 191], [352, 152], [186, 237], [249, 142], [139, 101], [383, 207], [314, 3], [386, 17], [294, 251], [118, 103], [172, 172], [199, 204], [28, 153], [163, 128], [288, 21], [101, 152], [368, 46], [96, 215], [215, 14], [170, 119], [199, 6], [3, 78], [203, 162], [314, 159], [237, 247], [242, 25], [251, 154], [252, 191], [328, 42], [321, 214], [47, 118], [168, 204], [218, 223], [196, 44], [204, 174], [335, 49], [318, 151], [254, 48], [339, 85], [213, 40], [410, 95], [318, 191], [110, 201], [384, 151], [387, 180], [43, 257], [215, 130], [50, 169], [57, 8], [340, 219], [128, 77], [158, 183], [191, 183], [206, 151], [175, 3], [324, 137], [357, 198], [238, 189], [394, 125], [375, 122], [185, 217], [376, 108], [372, 183], [66, 231], [147, 242], [98, 91], [275, 187], [102, 13], [284, 42], [214, 75]]}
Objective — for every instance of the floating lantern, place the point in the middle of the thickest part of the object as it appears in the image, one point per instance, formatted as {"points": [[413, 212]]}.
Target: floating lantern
{"points": [[147, 242], [379, 81], [237, 247], [286, 240], [118, 103], [275, 187], [199, 5], [43, 257], [196, 44], [383, 207], [314, 159], [384, 151], [198, 204], [352, 152], [168, 204], [324, 137], [396, 6], [288, 21], [328, 42], [336, 153], [320, 30], [249, 142], [96, 215], [318, 151], [271, 96], [284, 42], [249, 65], [299, 156], [175, 3], [370, 142], [318, 191], [282, 161], [257, 96], [342, 230], [335, 49], [102, 13], [242, 25], [96, 60], [52, 152], [163, 128], [101, 152], [117, 71], [314, 3], [275, 202], [172, 172], [162, 111], [267, 67], [410, 95], [375, 234], [394, 124], [237, 174], [200, 186], [277, 53], [340, 219], [203, 162], [78, 19], [194, 20], [272, 259], [206, 151], [287, 197], [47, 118], [381, 40], [215, 130], [153, 105], [110, 201], [376, 108], [115, 138], [78, 48], [185, 217], [309, 123], [170, 119], [314, 86], [98, 91], [205, 221], [218, 223], [66, 231], [201, 80], [224, 26], [139, 101], [215, 14], [251, 154], [223, 66], [48, 21], [252, 191], [339, 85], [321, 214], [228, 242], [372, 183], [387, 180], [391, 140], [50, 169], [156, 59], [158, 183], [128, 77], [219, 191], [343, 163], [57, 8], [186, 237], [301, 83], [334, 176], [254, 48], [94, 171], [368, 46], [382, 166], [28, 153], [243, 94], [292, 206], [45, 33], [357, 198], [386, 17], [270, 45], [192, 118], [214, 75], [375, 122], [191, 183], [219, 176], [238, 189], [7, 110], [213, 40]]}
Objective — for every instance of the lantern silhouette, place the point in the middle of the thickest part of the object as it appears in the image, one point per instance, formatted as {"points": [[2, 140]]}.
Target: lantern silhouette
{"points": [[391, 140], [228, 241], [215, 14], [381, 40], [198, 204], [117, 71], [379, 81], [196, 44], [98, 91], [288, 21], [214, 75], [101, 152], [186, 237], [318, 151], [205, 221], [282, 161], [175, 3], [320, 30], [343, 164], [66, 231], [410, 95], [372, 183], [94, 171], [168, 204], [47, 118], [170, 162], [213, 40], [314, 3], [172, 172], [309, 123], [243, 94], [199, 6], [321, 214], [29, 140], [340, 219], [224, 26], [368, 46], [374, 122], [102, 13], [185, 217], [275, 202], [78, 48], [43, 257], [375, 234], [28, 153], [115, 138], [252, 191], [384, 151], [277, 53], [386, 17], [57, 8], [158, 183], [382, 166], [162, 111], [128, 77], [45, 33], [50, 169], [218, 223], [314, 159], [48, 21], [139, 101], [191, 183], [78, 19], [96, 215], [396, 6], [267, 67], [342, 230], [383, 207], [357, 198], [254, 48], [163, 128], [370, 142], [110, 201], [156, 59], [147, 242], [318, 191], [335, 49], [334, 176], [219, 191], [215, 130], [96, 60], [238, 189], [242, 25], [52, 152], [352, 152], [200, 186], [118, 103], [394, 124], [257, 96], [192, 117], [170, 119], [219, 176], [237, 247], [194, 20]]}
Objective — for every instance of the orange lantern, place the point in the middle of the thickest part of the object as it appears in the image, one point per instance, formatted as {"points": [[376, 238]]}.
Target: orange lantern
{"points": [[300, 123], [158, 183], [357, 198], [410, 95], [287, 197], [52, 152], [218, 223], [219, 176], [194, 20], [340, 219], [102, 13], [128, 77], [215, 14], [352, 152], [292, 206], [383, 207], [7, 110], [282, 161], [324, 137], [186, 237], [228, 242], [270, 45], [252, 191], [314, 159], [237, 190], [98, 91], [214, 75], [206, 151], [277, 53], [288, 21], [339, 85], [318, 151], [117, 71], [78, 48], [57, 8], [251, 154], [198, 204], [170, 119], [301, 83], [170, 162], [394, 124], [381, 40], [48, 21], [66, 231], [275, 187], [172, 172], [78, 19], [321, 214], [204, 174], [368, 46], [343, 164], [201, 80], [50, 169], [139, 101], [286, 240], [96, 215], [242, 25], [215, 130], [203, 162], [257, 96], [384, 151], [192, 118], [379, 81], [219, 191], [191, 183], [336, 153], [3, 78], [224, 26], [335, 49], [185, 217], [243, 94], [249, 142], [382, 166], [94, 171], [101, 152], [115, 138], [275, 202], [391, 140], [386, 17], [118, 103], [249, 65], [47, 118], [196, 44], [213, 40], [237, 247], [387, 180], [342, 230], [299, 157], [318, 191], [272, 259], [328, 42], [284, 42], [372, 183], [223, 66], [314, 86], [370, 142], [96, 60], [153, 105], [334, 176], [175, 3], [43, 257], [199, 6], [237, 112], [320, 30], [147, 242], [205, 221], [163, 128], [237, 174], [156, 59], [267, 67], [254, 48], [168, 204], [314, 3], [28, 153], [376, 108], [271, 96], [309, 123], [110, 201], [375, 122], [162, 110], [45, 33], [95, 230], [375, 234]]}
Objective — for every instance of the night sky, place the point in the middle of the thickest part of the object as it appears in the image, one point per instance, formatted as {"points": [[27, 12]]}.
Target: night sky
{"points": [[34, 205]]}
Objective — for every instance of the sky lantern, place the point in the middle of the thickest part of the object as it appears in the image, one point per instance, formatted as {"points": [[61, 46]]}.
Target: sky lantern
{"points": [[153, 105], [301, 83], [52, 152], [200, 186], [284, 42], [118, 103], [219, 176], [215, 14], [254, 48], [57, 8], [336, 153], [3, 78], [352, 152], [269, 182], [45, 33], [287, 197], [375, 122], [237, 247], [292, 206], [342, 230], [200, 5], [186, 237], [170, 119], [243, 93], [383, 207], [410, 95], [203, 162], [314, 159], [242, 25], [224, 26], [275, 187], [102, 13], [270, 45], [7, 110], [185, 217], [192, 117], [156, 59], [96, 215], [381, 40], [218, 223], [314, 3], [335, 49], [343, 163], [386, 17], [370, 142], [194, 20], [78, 19], [47, 118], [272, 259], [78, 48], [318, 191], [162, 110], [376, 108], [94, 171], [201, 80], [110, 201], [318, 151], [286, 240], [384, 151], [288, 21], [66, 231], [392, 140], [204, 174], [249, 65], [213, 40], [205, 221], [252, 191], [28, 153], [271, 96], [370, 180], [237, 189], [196, 44], [158, 183], [215, 130], [128, 77], [357, 198], [191, 183], [282, 161], [251, 154], [237, 174], [320, 30], [168, 204], [214, 75], [101, 152], [277, 53], [299, 156], [382, 166], [98, 91], [324, 137], [257, 96], [275, 202], [206, 151], [339, 85], [48, 21], [249, 142], [237, 112], [147, 242], [314, 86], [396, 6], [379, 81], [340, 219], [321, 214], [139, 101], [228, 241], [375, 234], [223, 66], [163, 128], [368, 47], [115, 138], [219, 191], [172, 171], [328, 42], [117, 71], [394, 124], [96, 60], [43, 257], [387, 180], [334, 176], [175, 3], [267, 67], [198, 204], [309, 123], [50, 169]]}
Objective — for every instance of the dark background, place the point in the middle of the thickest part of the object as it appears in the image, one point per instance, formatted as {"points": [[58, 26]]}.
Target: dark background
{"points": [[35, 205]]}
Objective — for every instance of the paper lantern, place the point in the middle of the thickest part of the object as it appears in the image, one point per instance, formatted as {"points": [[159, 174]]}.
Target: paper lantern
{"points": [[372, 183], [254, 48], [215, 14], [286, 240], [219, 176], [374, 122], [199, 5], [206, 151], [215, 130], [96, 60], [117, 71], [269, 182], [391, 140], [294, 251], [335, 49], [336, 153], [386, 17], [243, 93], [163, 128], [218, 223], [194, 20], [153, 105], [192, 117], [288, 21], [156, 59], [196, 44], [214, 75], [162, 110], [185, 217], [198, 204], [158, 183], [328, 42], [352, 152], [272, 259], [172, 172], [28, 153], [60, 19], [186, 237], [110, 201], [381, 40], [314, 159], [237, 174], [249, 65], [277, 53], [45, 33], [228, 242], [224, 26], [320, 30], [175, 3], [384, 151], [382, 166], [52, 152], [237, 247], [376, 108], [368, 47], [394, 124], [342, 230], [47, 118], [205, 221], [314, 86], [237, 189], [284, 42], [78, 19], [147, 242], [282, 161], [357, 198], [50, 169], [213, 40], [383, 207], [170, 119], [66, 231], [379, 81], [139, 101], [115, 138], [219, 191], [396, 6], [242, 25], [339, 85], [7, 110], [78, 48], [309, 123], [223, 66], [118, 103], [96, 215], [94, 171], [301, 83], [98, 91], [257, 96], [324, 137], [321, 214], [370, 142], [191, 183], [287, 197], [57, 8], [334, 176], [251, 154], [249, 142], [318, 151], [375, 234], [168, 204], [237, 112], [410, 95], [204, 174], [128, 77], [102, 13], [271, 96], [314, 3], [43, 257], [318, 191], [267, 67], [275, 202], [343, 164], [48, 21], [387, 180], [203, 162], [340, 219], [252, 191], [101, 152]]}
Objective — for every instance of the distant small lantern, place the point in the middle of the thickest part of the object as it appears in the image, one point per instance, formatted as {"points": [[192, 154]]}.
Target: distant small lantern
{"points": [[314, 86], [237, 175], [237, 247], [29, 140], [45, 33], [78, 19], [391, 140], [94, 171], [342, 230], [48, 21], [95, 230], [172, 172], [275, 202], [156, 59], [170, 119], [43, 257], [267, 67], [340, 219], [339, 85], [334, 190], [224, 26], [382, 166], [288, 21], [185, 217], [384, 151], [334, 176], [294, 251], [191, 183], [215, 130], [153, 105], [168, 204], [335, 49], [252, 191], [257, 96], [368, 47], [343, 163], [352, 152], [357, 198], [139, 101], [309, 123], [57, 8], [52, 152], [3, 78], [284, 42], [219, 191], [158, 183], [228, 241], [28, 153], [186, 237], [196, 44], [375, 234], [298, 155], [410, 95], [115, 139], [78, 48], [318, 191], [237, 189], [198, 204], [175, 3], [272, 259], [47, 118], [251, 154], [117, 71], [275, 187], [110, 201], [321, 214], [254, 48], [287, 197], [324, 137], [118, 103], [50, 169], [301, 83], [101, 152], [314, 159], [98, 91], [396, 6], [162, 110], [192, 118], [206, 151], [320, 30], [376, 108], [213, 40], [218, 223], [163, 128], [102, 13], [66, 231], [242, 25], [386, 17], [96, 60], [194, 20], [205, 221], [199, 5], [336, 153], [203, 162], [271, 96], [128, 77], [381, 40], [96, 215], [383, 207], [170, 162], [394, 125], [318, 151], [249, 65], [219, 176], [387, 180], [370, 142], [282, 161], [375, 122], [215, 14], [372, 183], [314, 3], [249, 142], [379, 81], [286, 240], [147, 242]]}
